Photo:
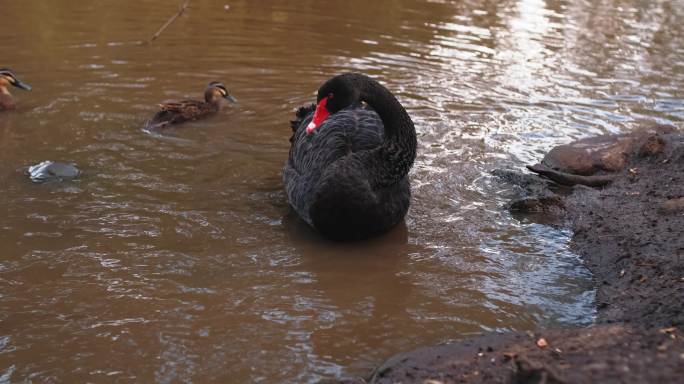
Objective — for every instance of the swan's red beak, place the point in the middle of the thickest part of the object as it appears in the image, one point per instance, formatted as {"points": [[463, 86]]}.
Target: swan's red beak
{"points": [[319, 116]]}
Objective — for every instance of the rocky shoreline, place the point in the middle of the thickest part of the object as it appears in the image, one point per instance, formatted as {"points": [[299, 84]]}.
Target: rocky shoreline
{"points": [[626, 210]]}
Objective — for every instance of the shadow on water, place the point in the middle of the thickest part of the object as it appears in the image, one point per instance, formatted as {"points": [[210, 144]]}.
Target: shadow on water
{"points": [[365, 281], [352, 272]]}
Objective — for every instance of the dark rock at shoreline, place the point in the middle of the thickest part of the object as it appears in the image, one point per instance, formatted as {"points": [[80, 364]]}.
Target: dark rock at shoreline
{"points": [[598, 354], [535, 194], [594, 160], [607, 153]]}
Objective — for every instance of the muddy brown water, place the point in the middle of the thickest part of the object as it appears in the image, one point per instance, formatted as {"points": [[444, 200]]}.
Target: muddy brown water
{"points": [[175, 258]]}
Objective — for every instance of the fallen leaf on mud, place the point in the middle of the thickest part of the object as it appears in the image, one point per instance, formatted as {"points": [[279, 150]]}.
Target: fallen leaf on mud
{"points": [[541, 343], [668, 330], [643, 279]]}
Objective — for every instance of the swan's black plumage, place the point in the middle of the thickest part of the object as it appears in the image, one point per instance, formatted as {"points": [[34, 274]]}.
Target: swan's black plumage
{"points": [[348, 179]]}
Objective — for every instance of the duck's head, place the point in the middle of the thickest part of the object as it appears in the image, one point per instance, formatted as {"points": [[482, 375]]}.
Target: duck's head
{"points": [[335, 94], [216, 91], [8, 78]]}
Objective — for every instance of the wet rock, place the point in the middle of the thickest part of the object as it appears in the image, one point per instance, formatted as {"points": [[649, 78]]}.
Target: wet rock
{"points": [[530, 184], [52, 171], [593, 161], [605, 153], [546, 204], [535, 196], [587, 156]]}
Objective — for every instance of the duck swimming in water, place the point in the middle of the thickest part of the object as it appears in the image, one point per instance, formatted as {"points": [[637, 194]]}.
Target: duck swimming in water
{"points": [[188, 110], [8, 78]]}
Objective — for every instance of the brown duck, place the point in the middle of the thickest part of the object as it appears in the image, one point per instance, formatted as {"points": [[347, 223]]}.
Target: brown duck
{"points": [[188, 110], [8, 78]]}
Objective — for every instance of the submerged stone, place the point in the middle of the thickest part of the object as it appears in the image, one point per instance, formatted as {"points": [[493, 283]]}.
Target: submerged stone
{"points": [[52, 171]]}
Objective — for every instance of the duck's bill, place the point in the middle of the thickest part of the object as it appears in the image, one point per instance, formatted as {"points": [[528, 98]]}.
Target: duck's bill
{"points": [[20, 84], [230, 98]]}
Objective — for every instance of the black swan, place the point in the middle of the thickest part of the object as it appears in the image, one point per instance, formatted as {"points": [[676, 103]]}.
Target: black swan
{"points": [[346, 174], [182, 111], [8, 78]]}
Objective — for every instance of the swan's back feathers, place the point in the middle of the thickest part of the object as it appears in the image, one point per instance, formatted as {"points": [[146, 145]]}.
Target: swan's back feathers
{"points": [[348, 131]]}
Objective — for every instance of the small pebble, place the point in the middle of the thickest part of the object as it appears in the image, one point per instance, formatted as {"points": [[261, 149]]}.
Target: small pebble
{"points": [[541, 343]]}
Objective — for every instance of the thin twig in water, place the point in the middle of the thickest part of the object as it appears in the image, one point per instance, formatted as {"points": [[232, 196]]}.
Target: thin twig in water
{"points": [[182, 8]]}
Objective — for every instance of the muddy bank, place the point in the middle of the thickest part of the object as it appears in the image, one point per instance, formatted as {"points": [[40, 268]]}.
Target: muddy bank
{"points": [[626, 208], [598, 354]]}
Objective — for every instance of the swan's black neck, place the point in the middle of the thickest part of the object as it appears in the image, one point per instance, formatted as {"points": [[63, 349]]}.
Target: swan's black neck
{"points": [[391, 161]]}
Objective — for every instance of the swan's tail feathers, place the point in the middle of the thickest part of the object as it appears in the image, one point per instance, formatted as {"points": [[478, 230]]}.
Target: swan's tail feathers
{"points": [[300, 114]]}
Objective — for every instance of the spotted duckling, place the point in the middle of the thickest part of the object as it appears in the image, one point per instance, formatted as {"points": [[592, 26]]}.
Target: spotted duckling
{"points": [[188, 110], [8, 78]]}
